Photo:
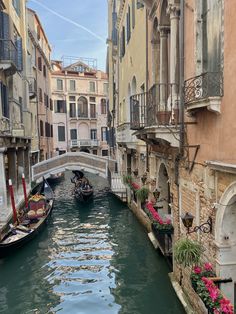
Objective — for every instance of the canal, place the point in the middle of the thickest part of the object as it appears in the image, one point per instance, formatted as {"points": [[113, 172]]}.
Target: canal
{"points": [[89, 259]]}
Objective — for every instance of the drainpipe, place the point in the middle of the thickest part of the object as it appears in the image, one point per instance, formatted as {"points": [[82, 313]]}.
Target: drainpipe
{"points": [[181, 71], [147, 150]]}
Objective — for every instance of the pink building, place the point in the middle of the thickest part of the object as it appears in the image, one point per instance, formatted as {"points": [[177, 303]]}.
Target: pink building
{"points": [[80, 108]]}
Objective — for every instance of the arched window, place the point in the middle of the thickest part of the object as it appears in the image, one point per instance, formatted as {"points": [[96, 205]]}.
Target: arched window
{"points": [[82, 107]]}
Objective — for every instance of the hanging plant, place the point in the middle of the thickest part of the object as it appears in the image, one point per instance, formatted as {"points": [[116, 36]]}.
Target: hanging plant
{"points": [[187, 252], [142, 194], [127, 179]]}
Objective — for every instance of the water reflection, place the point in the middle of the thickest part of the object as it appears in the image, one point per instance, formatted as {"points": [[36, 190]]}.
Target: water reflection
{"points": [[92, 258]]}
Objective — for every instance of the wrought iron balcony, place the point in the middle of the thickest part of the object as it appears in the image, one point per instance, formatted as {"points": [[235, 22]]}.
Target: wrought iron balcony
{"points": [[200, 90], [8, 56], [74, 143], [157, 107]]}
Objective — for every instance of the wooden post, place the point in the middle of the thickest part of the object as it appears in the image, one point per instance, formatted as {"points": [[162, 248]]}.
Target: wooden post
{"points": [[24, 188], [13, 201]]}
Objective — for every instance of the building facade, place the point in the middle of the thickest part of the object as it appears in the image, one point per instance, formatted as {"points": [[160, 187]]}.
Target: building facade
{"points": [[15, 118], [185, 118], [39, 68], [79, 93]]}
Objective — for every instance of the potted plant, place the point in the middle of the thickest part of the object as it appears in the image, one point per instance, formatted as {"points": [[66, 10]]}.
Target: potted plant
{"points": [[187, 252], [142, 194]]}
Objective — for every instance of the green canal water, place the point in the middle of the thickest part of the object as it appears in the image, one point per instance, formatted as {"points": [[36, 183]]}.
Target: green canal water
{"points": [[89, 259]]}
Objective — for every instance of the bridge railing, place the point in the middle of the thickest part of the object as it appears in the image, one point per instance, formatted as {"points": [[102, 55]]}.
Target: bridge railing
{"points": [[73, 161]]}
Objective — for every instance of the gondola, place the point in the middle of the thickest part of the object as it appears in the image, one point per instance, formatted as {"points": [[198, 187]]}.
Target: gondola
{"points": [[83, 190], [29, 226]]}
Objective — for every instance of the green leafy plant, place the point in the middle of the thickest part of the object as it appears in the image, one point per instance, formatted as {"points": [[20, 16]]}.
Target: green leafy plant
{"points": [[127, 179], [187, 252], [142, 194]]}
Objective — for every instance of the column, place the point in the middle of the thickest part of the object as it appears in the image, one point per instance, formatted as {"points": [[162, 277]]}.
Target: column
{"points": [[164, 30], [174, 45], [3, 188]]}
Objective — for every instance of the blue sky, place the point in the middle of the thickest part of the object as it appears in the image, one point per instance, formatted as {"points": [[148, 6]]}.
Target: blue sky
{"points": [[76, 28]]}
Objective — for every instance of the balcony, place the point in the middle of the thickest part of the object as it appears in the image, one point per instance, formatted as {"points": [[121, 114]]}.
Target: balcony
{"points": [[155, 114], [32, 87], [8, 56], [124, 136], [204, 91], [88, 143], [9, 128], [74, 143]]}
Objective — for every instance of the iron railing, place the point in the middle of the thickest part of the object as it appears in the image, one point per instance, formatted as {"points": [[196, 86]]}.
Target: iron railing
{"points": [[159, 106], [8, 51], [138, 104], [209, 84]]}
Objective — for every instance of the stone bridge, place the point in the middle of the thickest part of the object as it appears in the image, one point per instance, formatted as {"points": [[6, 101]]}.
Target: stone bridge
{"points": [[102, 166]]}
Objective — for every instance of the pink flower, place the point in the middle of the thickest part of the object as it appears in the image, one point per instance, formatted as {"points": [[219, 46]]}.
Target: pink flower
{"points": [[214, 293], [226, 306], [208, 266], [197, 270]]}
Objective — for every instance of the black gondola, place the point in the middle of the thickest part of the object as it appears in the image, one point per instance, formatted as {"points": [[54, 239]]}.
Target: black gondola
{"points": [[28, 227], [83, 189]]}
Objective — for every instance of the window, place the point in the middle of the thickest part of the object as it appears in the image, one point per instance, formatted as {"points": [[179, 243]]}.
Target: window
{"points": [[95, 152], [105, 88], [73, 134], [44, 71], [40, 63], [92, 111], [51, 104], [92, 87], [133, 13], [82, 107], [103, 106], [41, 128], [104, 133], [104, 152], [59, 84], [72, 85], [92, 99], [72, 110], [128, 30], [38, 32], [47, 129], [61, 134], [139, 4], [122, 42], [4, 100], [16, 5], [51, 130], [40, 95], [60, 106], [93, 134], [71, 98]]}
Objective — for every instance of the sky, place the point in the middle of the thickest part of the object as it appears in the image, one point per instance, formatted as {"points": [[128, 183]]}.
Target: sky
{"points": [[75, 28]]}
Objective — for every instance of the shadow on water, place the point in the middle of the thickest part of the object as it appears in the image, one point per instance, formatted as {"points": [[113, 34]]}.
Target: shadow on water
{"points": [[91, 258]]}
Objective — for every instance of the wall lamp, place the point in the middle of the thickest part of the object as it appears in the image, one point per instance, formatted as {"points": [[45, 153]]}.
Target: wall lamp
{"points": [[187, 220]]}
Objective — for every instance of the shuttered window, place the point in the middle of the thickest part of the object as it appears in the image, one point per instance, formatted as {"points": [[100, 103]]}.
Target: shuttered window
{"points": [[73, 134], [4, 100], [133, 13], [61, 134], [128, 28]]}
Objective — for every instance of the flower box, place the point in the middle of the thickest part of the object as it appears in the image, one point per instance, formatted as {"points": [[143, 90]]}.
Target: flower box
{"points": [[209, 293], [156, 229]]}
